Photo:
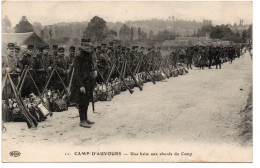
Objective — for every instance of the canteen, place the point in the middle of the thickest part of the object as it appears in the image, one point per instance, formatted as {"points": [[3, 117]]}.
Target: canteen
{"points": [[45, 112]]}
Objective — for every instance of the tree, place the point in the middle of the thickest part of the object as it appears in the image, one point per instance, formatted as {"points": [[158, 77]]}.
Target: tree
{"points": [[95, 29], [50, 33], [6, 25], [125, 33], [139, 33], [244, 36], [151, 35], [132, 34], [42, 33], [23, 26], [163, 35], [250, 32], [143, 35]]}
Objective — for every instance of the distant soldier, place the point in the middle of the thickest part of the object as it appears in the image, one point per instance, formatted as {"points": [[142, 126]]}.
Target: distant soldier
{"points": [[210, 56], [232, 53], [217, 58], [189, 57], [54, 54], [83, 82]]}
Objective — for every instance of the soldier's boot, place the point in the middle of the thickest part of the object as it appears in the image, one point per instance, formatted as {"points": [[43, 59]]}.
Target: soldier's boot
{"points": [[88, 121], [84, 124]]}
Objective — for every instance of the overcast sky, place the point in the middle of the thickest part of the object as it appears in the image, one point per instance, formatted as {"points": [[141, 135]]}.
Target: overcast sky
{"points": [[54, 12]]}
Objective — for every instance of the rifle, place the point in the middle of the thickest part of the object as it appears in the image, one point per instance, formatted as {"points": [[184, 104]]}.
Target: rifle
{"points": [[148, 73], [140, 87], [30, 120], [160, 67], [123, 80], [71, 78], [49, 79]]}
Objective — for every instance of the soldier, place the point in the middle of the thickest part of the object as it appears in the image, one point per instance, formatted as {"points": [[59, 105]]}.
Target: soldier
{"points": [[210, 56], [11, 62], [61, 66], [54, 54], [232, 53], [217, 57], [72, 55], [189, 57], [83, 82], [17, 52]]}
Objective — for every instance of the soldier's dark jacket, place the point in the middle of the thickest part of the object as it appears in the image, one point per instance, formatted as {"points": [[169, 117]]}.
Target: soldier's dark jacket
{"points": [[83, 77]]}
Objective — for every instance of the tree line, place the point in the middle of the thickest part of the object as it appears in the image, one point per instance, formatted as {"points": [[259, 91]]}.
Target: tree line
{"points": [[99, 31]]}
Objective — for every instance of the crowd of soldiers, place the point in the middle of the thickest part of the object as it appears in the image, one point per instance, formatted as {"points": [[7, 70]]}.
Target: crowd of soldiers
{"points": [[90, 65]]}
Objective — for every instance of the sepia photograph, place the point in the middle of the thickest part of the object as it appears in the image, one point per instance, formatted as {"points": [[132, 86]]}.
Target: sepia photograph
{"points": [[127, 81]]}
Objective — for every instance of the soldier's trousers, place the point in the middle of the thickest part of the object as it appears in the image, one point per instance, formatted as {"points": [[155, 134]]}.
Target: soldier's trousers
{"points": [[210, 63], [83, 112]]}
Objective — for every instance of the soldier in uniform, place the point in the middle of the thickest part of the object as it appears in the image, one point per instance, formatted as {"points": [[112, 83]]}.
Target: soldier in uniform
{"points": [[189, 57], [61, 66], [217, 56], [12, 63], [83, 82], [210, 56]]}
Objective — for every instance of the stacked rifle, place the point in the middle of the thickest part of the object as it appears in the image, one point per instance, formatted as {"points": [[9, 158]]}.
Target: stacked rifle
{"points": [[144, 71]]}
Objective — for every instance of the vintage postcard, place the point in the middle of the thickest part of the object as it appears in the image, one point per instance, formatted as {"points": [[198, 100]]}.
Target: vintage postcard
{"points": [[122, 81]]}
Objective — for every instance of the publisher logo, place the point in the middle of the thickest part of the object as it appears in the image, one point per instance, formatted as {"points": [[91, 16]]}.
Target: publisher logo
{"points": [[15, 153]]}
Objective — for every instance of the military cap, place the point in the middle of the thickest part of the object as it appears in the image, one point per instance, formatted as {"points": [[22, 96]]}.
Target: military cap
{"points": [[98, 47], [123, 48], [111, 43], [55, 47], [46, 47], [119, 46], [128, 48], [85, 40], [158, 48], [72, 48], [11, 46], [110, 47], [142, 48], [103, 44], [40, 48], [17, 48], [133, 47], [30, 47], [60, 49]]}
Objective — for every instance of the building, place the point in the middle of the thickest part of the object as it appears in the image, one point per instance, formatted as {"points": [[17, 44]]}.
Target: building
{"points": [[22, 40]]}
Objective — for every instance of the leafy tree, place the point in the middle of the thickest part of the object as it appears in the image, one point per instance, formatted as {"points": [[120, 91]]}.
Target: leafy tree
{"points": [[244, 36], [23, 26], [95, 29], [151, 35], [50, 33], [132, 34], [6, 25], [139, 33], [163, 35], [125, 33], [250, 32], [143, 35], [42, 33]]}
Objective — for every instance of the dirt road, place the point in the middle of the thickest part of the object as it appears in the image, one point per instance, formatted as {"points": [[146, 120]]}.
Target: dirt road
{"points": [[198, 109]]}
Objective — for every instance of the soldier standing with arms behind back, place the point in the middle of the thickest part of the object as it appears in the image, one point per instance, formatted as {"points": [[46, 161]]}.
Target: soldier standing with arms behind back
{"points": [[83, 82]]}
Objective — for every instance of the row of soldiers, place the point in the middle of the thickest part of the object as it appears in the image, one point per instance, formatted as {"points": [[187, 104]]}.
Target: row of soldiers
{"points": [[202, 56], [100, 64], [42, 61]]}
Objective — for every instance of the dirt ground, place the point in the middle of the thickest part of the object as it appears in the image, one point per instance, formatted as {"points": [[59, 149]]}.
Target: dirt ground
{"points": [[201, 107]]}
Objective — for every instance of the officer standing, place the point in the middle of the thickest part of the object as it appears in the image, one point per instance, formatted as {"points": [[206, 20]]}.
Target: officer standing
{"points": [[83, 82]]}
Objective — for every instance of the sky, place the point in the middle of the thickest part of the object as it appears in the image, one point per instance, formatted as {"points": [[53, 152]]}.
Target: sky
{"points": [[54, 12]]}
